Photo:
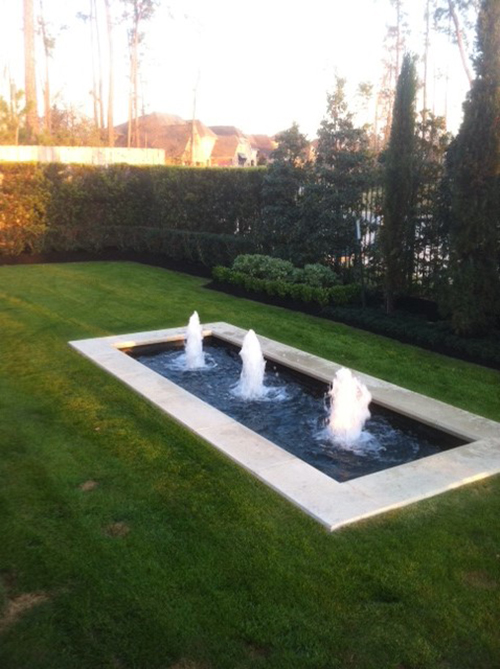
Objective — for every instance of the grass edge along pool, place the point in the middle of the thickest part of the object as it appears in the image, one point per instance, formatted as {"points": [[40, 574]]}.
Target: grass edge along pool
{"points": [[332, 504]]}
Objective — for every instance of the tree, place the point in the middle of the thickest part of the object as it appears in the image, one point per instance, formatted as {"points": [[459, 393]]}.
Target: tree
{"points": [[11, 116], [400, 187], [474, 174], [394, 43], [109, 30], [72, 128], [449, 17], [429, 246], [48, 35], [340, 176], [96, 60], [32, 125], [280, 233], [426, 57], [136, 13]]}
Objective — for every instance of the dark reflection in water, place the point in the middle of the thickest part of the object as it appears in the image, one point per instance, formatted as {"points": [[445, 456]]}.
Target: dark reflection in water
{"points": [[294, 414]]}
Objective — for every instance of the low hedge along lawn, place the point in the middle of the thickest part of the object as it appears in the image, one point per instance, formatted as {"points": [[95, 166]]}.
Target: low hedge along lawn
{"points": [[338, 295], [407, 328]]}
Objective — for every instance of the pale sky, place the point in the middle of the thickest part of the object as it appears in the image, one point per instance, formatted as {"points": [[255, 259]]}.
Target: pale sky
{"points": [[259, 64]]}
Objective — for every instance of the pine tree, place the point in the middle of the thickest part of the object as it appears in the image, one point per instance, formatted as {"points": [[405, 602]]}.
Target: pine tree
{"points": [[474, 174], [400, 187], [280, 232], [340, 176]]}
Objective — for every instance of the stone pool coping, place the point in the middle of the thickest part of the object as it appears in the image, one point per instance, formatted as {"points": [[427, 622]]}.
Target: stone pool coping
{"points": [[331, 503]]}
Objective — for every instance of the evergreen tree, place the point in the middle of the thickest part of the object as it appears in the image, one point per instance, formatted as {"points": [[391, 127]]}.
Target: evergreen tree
{"points": [[398, 230], [474, 175], [280, 232], [429, 248], [334, 195]]}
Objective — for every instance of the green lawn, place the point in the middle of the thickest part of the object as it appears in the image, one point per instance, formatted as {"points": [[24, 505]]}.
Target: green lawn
{"points": [[212, 570]]}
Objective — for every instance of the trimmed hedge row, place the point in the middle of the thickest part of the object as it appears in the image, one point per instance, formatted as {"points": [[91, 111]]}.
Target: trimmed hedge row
{"points": [[412, 330], [298, 292], [53, 207], [197, 247]]}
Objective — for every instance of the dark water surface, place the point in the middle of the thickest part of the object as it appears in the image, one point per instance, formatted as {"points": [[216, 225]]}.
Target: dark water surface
{"points": [[294, 413]]}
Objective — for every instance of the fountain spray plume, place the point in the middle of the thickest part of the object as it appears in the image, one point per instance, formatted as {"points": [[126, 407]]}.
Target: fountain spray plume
{"points": [[251, 383], [349, 407], [195, 358]]}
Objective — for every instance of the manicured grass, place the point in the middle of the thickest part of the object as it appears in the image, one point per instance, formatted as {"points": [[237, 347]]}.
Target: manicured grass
{"points": [[216, 571]]}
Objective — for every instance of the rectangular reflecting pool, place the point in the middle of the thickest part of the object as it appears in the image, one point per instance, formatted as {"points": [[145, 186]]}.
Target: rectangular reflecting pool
{"points": [[294, 411], [455, 447]]}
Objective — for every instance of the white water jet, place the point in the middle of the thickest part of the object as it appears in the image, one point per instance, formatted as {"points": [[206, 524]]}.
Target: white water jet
{"points": [[195, 358], [349, 407], [251, 383]]}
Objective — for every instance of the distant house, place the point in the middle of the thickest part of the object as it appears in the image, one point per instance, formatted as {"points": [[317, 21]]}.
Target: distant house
{"points": [[232, 148], [148, 127], [190, 143], [264, 147], [184, 142], [193, 143]]}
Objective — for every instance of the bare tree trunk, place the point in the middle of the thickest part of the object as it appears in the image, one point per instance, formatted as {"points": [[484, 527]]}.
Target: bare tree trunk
{"points": [[99, 68], [136, 88], [13, 108], [109, 25], [398, 36], [94, 76], [47, 113], [32, 125], [130, 103], [132, 100], [426, 58], [460, 41]]}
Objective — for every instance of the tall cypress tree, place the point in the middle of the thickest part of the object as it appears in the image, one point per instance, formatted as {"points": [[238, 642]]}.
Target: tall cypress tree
{"points": [[400, 187], [474, 174]]}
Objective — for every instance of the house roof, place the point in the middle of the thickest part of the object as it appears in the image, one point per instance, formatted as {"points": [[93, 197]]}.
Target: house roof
{"points": [[225, 147], [165, 131], [173, 139], [203, 130], [150, 123], [263, 143], [227, 130]]}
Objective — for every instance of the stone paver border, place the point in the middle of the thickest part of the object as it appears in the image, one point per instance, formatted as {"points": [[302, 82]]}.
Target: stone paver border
{"points": [[331, 503]]}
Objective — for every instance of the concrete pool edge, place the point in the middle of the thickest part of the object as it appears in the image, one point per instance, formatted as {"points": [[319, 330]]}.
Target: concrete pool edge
{"points": [[331, 503]]}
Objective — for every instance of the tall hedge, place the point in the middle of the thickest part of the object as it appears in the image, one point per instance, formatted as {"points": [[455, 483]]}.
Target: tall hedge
{"points": [[207, 215]]}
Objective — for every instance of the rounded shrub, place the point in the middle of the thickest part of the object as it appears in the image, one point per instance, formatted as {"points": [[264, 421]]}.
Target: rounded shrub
{"points": [[318, 276], [264, 267]]}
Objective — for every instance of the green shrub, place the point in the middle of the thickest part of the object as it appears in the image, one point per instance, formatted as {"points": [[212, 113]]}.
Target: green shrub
{"points": [[434, 336], [276, 269], [319, 276], [264, 267], [297, 292]]}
